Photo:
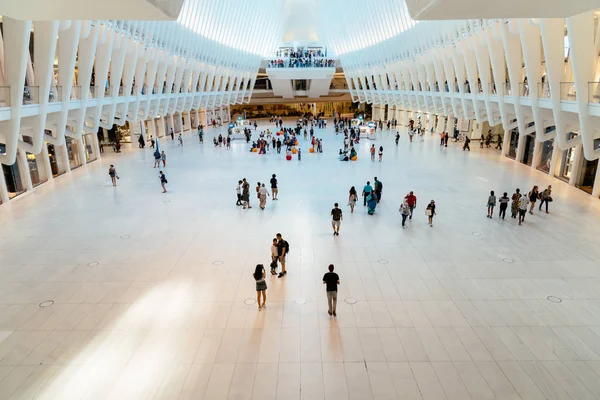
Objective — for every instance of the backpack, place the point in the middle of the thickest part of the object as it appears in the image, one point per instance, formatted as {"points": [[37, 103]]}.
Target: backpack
{"points": [[286, 245]]}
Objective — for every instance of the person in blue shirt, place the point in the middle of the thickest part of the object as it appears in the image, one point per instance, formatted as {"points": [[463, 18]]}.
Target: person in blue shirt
{"points": [[366, 192]]}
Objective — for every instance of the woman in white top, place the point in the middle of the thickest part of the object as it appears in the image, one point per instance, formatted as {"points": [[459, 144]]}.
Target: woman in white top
{"points": [[262, 195]]}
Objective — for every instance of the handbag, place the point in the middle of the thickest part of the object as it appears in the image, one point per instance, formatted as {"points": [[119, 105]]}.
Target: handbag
{"points": [[428, 212], [550, 198]]}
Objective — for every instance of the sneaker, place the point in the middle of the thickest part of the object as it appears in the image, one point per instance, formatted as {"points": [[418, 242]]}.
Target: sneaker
{"points": [[280, 275], [329, 312], [334, 314]]}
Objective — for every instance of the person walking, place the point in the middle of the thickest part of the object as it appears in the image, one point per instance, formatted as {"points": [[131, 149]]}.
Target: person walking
{"points": [[331, 280], [491, 203], [299, 154], [467, 141], [367, 189], [180, 139], [397, 138], [163, 157], [262, 195], [378, 189], [430, 212], [151, 143], [380, 153], [112, 172], [238, 191], [163, 181], [274, 189], [246, 193], [283, 248], [533, 197], [546, 197], [514, 206], [523, 204], [157, 158], [411, 199], [372, 150], [352, 199], [503, 205], [336, 214], [261, 286], [172, 134], [228, 142], [405, 212], [278, 146]]}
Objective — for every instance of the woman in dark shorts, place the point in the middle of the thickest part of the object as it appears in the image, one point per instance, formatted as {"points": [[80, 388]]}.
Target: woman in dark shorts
{"points": [[261, 286]]}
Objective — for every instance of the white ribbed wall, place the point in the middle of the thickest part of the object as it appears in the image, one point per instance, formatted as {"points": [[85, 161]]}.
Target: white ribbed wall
{"points": [[408, 72], [142, 70]]}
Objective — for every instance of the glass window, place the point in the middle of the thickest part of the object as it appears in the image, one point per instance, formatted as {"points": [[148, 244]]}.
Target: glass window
{"points": [[73, 152], [546, 156], [14, 184], [514, 143], [587, 176], [88, 143], [37, 177], [528, 150]]}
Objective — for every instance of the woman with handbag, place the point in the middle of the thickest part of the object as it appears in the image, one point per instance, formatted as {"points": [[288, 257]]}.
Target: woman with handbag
{"points": [[546, 197], [261, 286], [352, 198], [112, 172], [430, 212]]}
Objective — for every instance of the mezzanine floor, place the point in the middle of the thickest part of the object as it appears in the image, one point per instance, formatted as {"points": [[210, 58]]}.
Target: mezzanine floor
{"points": [[149, 289]]}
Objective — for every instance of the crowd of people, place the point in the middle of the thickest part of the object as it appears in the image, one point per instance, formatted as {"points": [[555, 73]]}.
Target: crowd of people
{"points": [[521, 203], [301, 58]]}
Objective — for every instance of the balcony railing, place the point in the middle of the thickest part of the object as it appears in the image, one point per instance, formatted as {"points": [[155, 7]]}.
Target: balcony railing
{"points": [[55, 95], [524, 89], [75, 93], [543, 90], [594, 92], [31, 95], [505, 89], [4, 96], [568, 91]]}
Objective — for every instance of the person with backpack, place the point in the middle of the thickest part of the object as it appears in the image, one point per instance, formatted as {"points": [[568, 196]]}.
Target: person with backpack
{"points": [[336, 221], [546, 197], [378, 189], [163, 181], [283, 248], [157, 158]]}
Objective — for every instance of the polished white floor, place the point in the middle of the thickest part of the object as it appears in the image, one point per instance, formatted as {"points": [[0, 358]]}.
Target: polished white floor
{"points": [[457, 311]]}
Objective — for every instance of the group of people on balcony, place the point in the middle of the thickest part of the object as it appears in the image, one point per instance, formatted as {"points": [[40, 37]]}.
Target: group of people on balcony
{"points": [[302, 62]]}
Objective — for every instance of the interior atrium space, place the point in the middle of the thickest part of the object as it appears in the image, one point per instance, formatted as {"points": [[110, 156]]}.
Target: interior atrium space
{"points": [[299, 199]]}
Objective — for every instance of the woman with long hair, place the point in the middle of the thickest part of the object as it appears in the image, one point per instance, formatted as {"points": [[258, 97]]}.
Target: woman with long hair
{"points": [[533, 197], [261, 286], [352, 198]]}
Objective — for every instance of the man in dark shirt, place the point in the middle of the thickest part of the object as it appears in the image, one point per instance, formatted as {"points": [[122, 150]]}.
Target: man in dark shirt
{"points": [[332, 280], [336, 213], [274, 187], [282, 249]]}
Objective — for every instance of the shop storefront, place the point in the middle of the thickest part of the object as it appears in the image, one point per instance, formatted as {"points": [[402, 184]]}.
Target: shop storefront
{"points": [[88, 145], [73, 153], [566, 164], [528, 147], [53, 162], [514, 143], [546, 156], [38, 175], [12, 176], [587, 175]]}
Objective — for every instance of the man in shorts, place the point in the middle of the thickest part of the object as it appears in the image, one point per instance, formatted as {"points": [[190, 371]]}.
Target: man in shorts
{"points": [[274, 190], [283, 248], [336, 214]]}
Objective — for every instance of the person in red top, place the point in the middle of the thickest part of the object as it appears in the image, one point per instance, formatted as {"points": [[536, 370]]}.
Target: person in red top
{"points": [[411, 199], [372, 152]]}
